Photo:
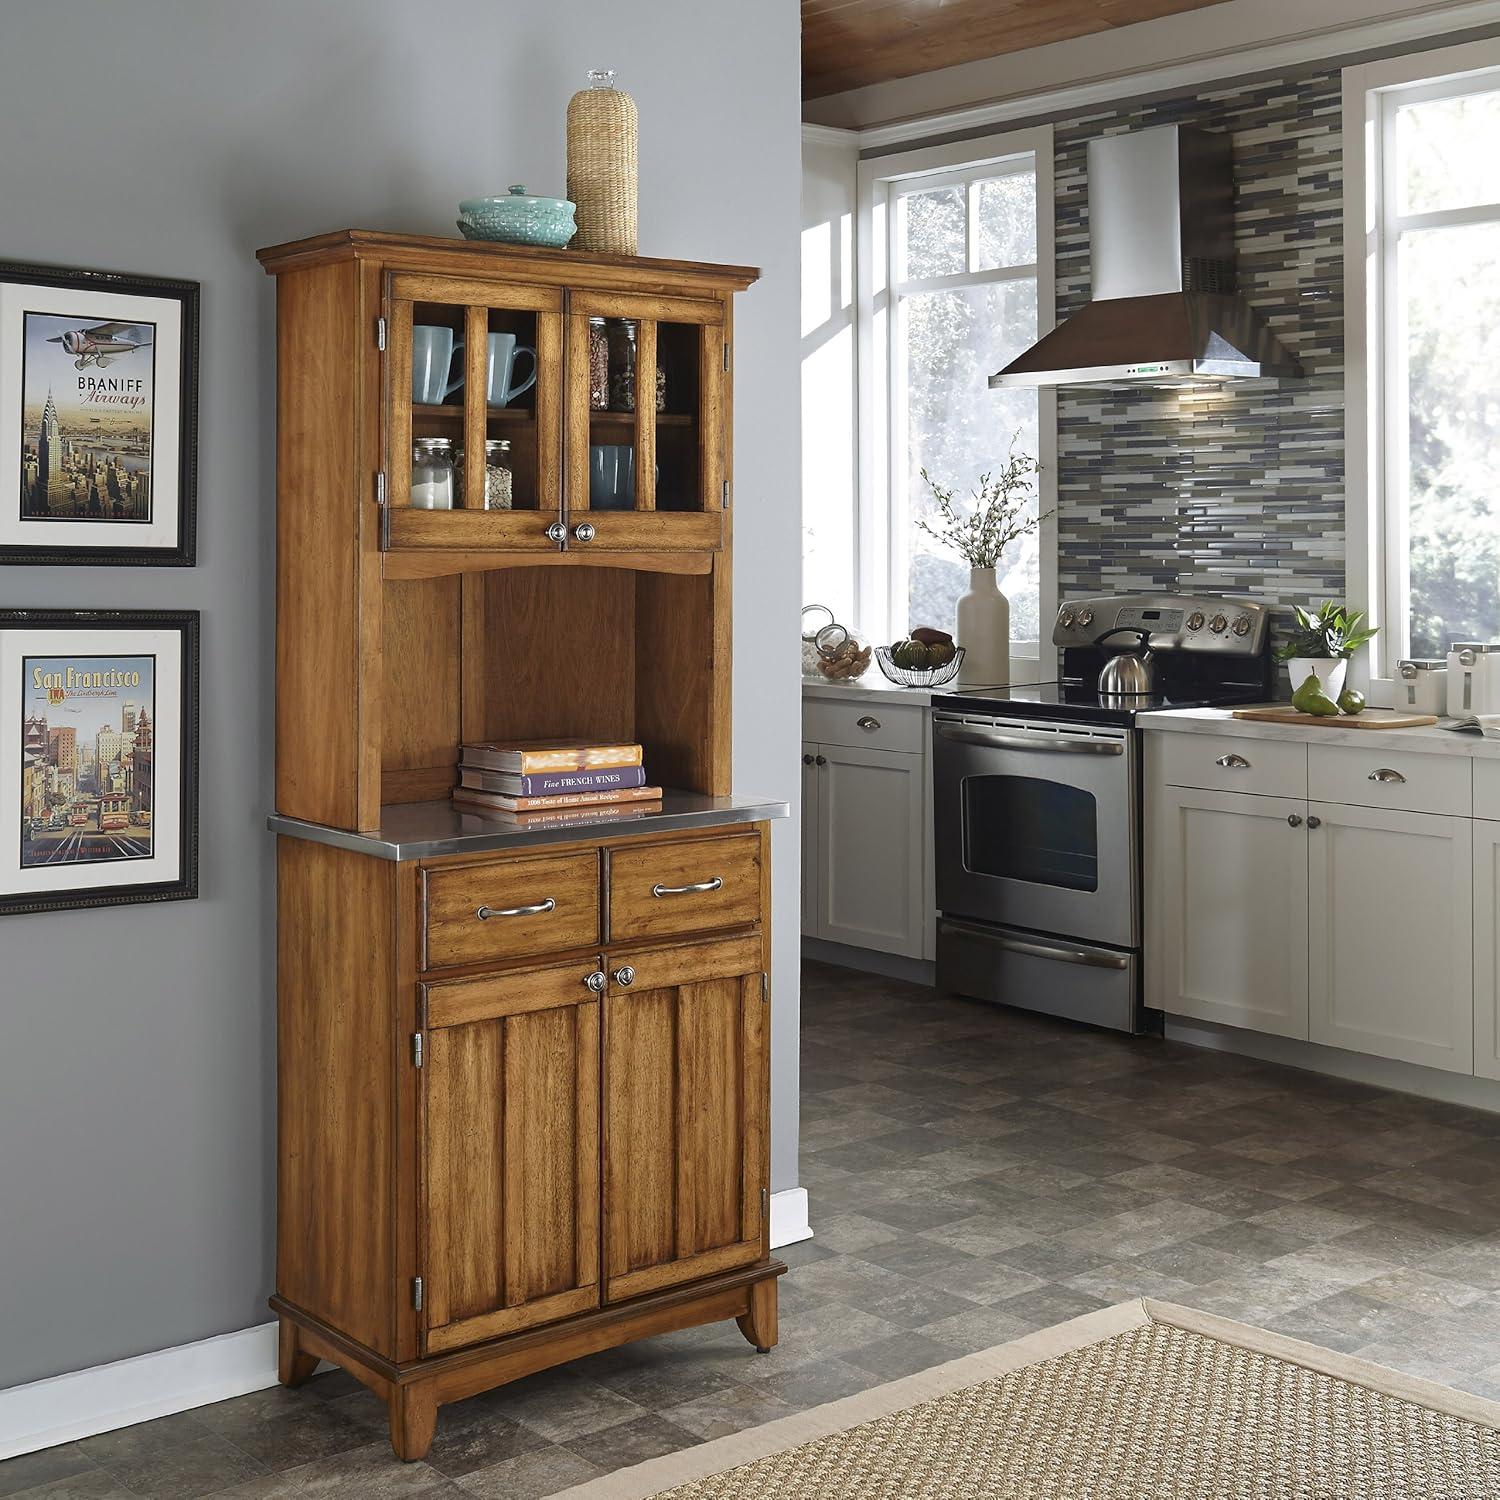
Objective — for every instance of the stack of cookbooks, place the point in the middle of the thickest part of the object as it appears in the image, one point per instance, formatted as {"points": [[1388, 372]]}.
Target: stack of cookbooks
{"points": [[552, 777]]}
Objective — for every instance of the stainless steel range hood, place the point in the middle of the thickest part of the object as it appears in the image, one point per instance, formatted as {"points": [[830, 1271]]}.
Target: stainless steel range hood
{"points": [[1166, 308]]}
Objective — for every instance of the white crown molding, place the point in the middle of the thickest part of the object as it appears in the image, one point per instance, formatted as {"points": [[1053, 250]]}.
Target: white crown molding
{"points": [[829, 135], [1208, 67], [80, 1404]]}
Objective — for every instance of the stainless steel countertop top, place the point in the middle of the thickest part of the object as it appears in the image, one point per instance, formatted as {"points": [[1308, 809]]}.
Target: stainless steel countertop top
{"points": [[425, 830]]}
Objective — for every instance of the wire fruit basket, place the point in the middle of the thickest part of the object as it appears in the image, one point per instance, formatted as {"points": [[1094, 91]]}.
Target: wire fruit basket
{"points": [[919, 677]]}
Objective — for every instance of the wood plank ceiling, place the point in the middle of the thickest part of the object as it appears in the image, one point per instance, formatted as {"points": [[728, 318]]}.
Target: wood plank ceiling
{"points": [[849, 43]]}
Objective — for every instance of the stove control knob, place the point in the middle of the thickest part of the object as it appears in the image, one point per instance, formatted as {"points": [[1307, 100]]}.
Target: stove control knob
{"points": [[1195, 620], [1085, 618], [1242, 625], [1066, 619], [1218, 624]]}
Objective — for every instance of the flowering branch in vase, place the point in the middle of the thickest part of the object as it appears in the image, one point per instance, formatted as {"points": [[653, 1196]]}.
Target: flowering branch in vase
{"points": [[999, 514]]}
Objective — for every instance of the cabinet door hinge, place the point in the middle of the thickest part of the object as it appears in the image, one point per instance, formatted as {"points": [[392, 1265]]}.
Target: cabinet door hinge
{"points": [[726, 358], [765, 988], [416, 1049], [385, 512], [725, 495], [416, 1293], [765, 1203], [380, 334]]}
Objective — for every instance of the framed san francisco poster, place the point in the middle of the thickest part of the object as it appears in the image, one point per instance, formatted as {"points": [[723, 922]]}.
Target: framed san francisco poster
{"points": [[98, 417], [98, 757]]}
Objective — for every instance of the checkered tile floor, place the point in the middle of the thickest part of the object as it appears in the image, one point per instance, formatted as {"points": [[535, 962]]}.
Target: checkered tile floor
{"points": [[974, 1174]]}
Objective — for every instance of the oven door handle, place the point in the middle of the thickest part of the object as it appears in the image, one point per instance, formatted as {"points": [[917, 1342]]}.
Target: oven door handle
{"points": [[1058, 745], [1039, 948]]}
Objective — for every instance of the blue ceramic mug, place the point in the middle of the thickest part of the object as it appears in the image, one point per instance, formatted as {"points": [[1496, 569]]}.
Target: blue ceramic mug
{"points": [[611, 476], [432, 351], [504, 352]]}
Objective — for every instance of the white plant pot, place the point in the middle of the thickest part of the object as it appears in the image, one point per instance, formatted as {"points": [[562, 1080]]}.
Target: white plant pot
{"points": [[1330, 671], [984, 632]]}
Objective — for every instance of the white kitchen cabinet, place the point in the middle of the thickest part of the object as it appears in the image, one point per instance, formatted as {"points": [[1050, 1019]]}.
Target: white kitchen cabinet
{"points": [[1230, 929], [1486, 945], [867, 841], [1390, 910]]}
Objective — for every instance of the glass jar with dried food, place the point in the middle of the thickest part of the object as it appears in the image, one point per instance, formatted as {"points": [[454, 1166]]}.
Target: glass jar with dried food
{"points": [[499, 483], [598, 365], [620, 339]]}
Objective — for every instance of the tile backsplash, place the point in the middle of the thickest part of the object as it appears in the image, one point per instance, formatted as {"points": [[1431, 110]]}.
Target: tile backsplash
{"points": [[1237, 489]]}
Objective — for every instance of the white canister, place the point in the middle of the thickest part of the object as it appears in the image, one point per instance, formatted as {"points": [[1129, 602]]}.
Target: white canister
{"points": [[1422, 684], [1473, 677]]}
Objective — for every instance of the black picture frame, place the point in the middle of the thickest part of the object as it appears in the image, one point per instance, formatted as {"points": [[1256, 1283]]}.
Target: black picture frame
{"points": [[13, 718], [184, 554]]}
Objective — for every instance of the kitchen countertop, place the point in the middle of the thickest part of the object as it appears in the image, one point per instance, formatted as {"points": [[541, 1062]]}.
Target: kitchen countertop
{"points": [[874, 685], [426, 830], [1429, 740]]}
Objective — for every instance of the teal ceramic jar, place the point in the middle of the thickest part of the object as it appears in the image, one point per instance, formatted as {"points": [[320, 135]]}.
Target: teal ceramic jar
{"points": [[518, 219]]}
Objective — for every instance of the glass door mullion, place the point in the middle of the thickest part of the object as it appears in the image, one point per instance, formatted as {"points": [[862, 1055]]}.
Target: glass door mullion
{"points": [[645, 414]]}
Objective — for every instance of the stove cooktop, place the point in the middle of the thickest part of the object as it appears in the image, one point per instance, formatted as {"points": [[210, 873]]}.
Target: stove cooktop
{"points": [[1075, 700]]}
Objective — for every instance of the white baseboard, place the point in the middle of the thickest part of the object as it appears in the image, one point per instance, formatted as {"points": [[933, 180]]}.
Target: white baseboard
{"points": [[65, 1408], [78, 1405], [789, 1218]]}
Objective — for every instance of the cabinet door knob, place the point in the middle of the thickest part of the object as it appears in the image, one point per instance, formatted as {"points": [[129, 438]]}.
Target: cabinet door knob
{"points": [[807, 760], [1295, 819], [584, 532], [557, 532], [1315, 822], [869, 723], [625, 975], [1388, 776], [596, 981], [821, 760], [1233, 762], [486, 912]]}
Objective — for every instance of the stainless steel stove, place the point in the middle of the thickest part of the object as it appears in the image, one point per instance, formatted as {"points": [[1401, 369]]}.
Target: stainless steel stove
{"points": [[1038, 804]]}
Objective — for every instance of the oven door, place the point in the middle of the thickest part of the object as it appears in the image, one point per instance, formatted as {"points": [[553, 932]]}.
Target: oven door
{"points": [[1036, 826]]}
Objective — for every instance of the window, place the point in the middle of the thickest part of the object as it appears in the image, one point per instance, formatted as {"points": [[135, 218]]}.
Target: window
{"points": [[956, 272], [1424, 427]]}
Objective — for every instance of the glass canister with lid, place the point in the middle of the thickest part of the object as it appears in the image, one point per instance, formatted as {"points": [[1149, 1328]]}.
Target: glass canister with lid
{"points": [[433, 485], [499, 481]]}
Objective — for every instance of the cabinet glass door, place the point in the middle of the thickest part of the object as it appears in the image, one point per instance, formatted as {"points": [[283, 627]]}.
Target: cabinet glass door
{"points": [[474, 394], [645, 450]]}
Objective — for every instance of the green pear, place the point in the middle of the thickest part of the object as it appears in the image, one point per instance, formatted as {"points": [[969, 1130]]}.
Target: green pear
{"points": [[1311, 699]]}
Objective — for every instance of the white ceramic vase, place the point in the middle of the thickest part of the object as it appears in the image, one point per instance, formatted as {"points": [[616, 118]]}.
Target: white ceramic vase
{"points": [[984, 632], [1329, 670]]}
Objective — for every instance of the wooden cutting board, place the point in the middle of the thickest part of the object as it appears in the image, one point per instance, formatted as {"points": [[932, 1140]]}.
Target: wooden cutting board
{"points": [[1367, 718]]}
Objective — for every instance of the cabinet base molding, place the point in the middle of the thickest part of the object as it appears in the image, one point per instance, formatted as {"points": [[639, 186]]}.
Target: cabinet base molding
{"points": [[870, 961], [1357, 1067], [413, 1391]]}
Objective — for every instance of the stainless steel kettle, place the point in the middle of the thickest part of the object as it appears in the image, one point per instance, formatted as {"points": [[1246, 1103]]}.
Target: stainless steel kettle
{"points": [[1132, 673]]}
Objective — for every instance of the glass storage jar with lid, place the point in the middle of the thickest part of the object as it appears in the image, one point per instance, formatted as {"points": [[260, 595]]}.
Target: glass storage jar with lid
{"points": [[432, 477], [499, 482]]}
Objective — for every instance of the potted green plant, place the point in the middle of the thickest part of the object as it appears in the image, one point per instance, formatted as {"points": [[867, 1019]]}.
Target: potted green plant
{"points": [[1321, 646]]}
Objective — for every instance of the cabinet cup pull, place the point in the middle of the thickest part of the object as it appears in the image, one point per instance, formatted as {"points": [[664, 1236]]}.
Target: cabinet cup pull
{"points": [[596, 981], [868, 722], [688, 890], [1390, 777], [1233, 762], [486, 912], [625, 976]]}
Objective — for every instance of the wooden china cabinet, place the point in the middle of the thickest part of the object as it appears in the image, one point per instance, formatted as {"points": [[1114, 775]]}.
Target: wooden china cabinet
{"points": [[523, 1071]]}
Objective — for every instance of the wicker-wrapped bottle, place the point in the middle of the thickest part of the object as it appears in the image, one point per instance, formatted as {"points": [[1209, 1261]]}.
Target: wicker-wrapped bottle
{"points": [[603, 137]]}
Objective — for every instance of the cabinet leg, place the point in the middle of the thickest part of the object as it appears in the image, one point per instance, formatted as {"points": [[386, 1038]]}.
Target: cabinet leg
{"points": [[759, 1324], [293, 1363], [414, 1410]]}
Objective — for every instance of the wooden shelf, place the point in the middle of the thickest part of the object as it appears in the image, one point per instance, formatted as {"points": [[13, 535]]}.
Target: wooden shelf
{"points": [[492, 413], [627, 419]]}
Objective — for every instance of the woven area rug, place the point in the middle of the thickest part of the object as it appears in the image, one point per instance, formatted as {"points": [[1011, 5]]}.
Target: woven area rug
{"points": [[1145, 1401]]}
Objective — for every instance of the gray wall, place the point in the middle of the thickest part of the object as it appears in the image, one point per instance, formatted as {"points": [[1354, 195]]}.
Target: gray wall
{"points": [[137, 1062]]}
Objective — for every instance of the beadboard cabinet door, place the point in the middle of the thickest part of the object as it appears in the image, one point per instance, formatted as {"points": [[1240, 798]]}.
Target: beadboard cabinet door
{"points": [[686, 1090], [510, 1158], [1228, 940], [1390, 908]]}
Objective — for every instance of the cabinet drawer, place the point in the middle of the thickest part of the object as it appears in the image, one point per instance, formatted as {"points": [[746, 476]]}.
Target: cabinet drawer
{"points": [[1487, 788], [1394, 779], [1231, 763], [509, 909], [691, 886], [880, 726]]}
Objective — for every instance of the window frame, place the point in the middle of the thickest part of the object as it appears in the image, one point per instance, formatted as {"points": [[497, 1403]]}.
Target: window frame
{"points": [[1376, 421], [883, 530]]}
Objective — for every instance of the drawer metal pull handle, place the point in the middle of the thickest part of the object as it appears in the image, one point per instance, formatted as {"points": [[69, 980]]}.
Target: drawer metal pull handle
{"points": [[1315, 822], [625, 975], [1294, 819], [486, 912], [688, 890], [596, 981], [1388, 776], [1233, 762], [868, 722]]}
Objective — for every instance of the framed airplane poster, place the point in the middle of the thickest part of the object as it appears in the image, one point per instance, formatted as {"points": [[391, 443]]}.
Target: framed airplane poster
{"points": [[98, 417]]}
